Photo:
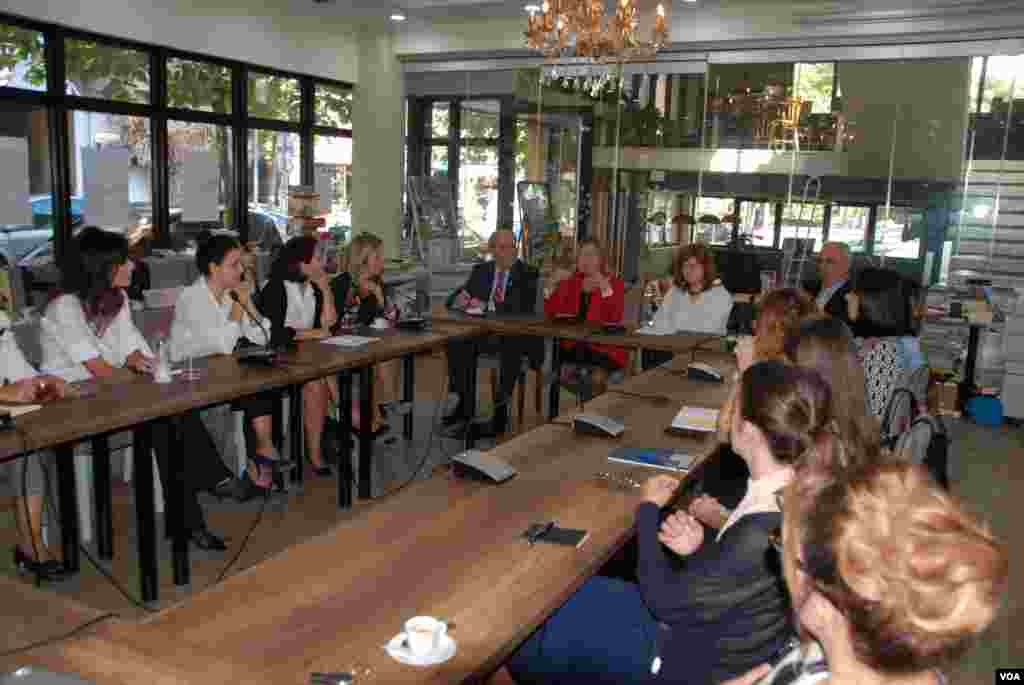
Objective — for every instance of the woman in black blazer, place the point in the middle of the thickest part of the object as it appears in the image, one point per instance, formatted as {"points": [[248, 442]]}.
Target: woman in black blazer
{"points": [[360, 290], [293, 299]]}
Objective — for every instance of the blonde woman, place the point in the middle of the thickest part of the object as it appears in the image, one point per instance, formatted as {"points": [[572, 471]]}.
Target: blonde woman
{"points": [[891, 579], [361, 289]]}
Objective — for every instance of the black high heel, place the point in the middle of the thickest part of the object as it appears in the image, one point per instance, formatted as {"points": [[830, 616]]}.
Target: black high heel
{"points": [[51, 570]]}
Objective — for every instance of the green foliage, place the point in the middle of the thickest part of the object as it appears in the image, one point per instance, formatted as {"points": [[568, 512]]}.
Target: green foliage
{"points": [[333, 106], [198, 85], [28, 47]]}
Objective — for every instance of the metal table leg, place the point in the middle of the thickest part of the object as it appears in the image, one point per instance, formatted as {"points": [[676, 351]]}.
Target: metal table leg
{"points": [[366, 431], [149, 578], [68, 506], [101, 496], [295, 431], [555, 392], [345, 435], [408, 391], [469, 393], [175, 506]]}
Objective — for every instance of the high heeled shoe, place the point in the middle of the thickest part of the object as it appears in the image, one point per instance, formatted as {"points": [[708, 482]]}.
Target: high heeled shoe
{"points": [[49, 570], [244, 489]]}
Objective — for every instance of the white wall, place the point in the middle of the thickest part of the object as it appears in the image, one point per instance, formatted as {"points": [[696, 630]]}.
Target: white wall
{"points": [[271, 34]]}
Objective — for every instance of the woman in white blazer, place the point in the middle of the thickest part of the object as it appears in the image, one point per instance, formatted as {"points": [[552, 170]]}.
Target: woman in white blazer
{"points": [[695, 303], [209, 320], [87, 332]]}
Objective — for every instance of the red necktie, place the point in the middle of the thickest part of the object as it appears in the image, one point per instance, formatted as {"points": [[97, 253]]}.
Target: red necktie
{"points": [[499, 290]]}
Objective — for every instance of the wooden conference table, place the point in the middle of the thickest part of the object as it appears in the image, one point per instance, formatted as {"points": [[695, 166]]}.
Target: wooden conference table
{"points": [[446, 547], [130, 401]]}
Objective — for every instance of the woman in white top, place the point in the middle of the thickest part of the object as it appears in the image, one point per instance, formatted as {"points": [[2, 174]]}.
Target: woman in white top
{"points": [[27, 483], [208, 320], [694, 303], [87, 332], [299, 303]]}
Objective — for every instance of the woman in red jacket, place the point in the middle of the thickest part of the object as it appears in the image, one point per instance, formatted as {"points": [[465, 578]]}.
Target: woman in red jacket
{"points": [[591, 294]]}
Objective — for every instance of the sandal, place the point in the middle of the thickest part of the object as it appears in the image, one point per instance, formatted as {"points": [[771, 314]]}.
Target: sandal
{"points": [[270, 472]]}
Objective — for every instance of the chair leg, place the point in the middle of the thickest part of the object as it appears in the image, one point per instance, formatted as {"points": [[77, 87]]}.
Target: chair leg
{"points": [[538, 392], [493, 378]]}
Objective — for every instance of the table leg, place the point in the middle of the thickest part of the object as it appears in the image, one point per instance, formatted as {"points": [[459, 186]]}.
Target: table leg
{"points": [[555, 392], [469, 394], [295, 431], [344, 437], [408, 390], [101, 497], [967, 388], [149, 579], [68, 506], [174, 511], [365, 431]]}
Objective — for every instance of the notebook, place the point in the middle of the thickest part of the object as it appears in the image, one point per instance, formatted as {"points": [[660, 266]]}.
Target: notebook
{"points": [[695, 420], [654, 457]]}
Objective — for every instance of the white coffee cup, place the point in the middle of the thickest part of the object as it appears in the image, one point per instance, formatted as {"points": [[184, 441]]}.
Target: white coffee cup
{"points": [[423, 634]]}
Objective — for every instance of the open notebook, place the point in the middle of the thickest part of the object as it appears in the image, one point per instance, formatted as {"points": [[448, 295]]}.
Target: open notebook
{"points": [[695, 420]]}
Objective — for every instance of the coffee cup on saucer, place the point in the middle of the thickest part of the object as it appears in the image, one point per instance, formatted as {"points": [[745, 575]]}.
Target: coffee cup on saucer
{"points": [[379, 323], [423, 634]]}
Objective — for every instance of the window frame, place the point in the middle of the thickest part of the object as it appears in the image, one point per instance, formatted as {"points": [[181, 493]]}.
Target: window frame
{"points": [[158, 112]]}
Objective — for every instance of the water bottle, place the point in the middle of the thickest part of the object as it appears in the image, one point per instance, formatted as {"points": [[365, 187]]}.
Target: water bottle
{"points": [[162, 373]]}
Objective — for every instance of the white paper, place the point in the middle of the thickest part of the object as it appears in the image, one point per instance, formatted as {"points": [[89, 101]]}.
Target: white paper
{"points": [[324, 184], [349, 340], [15, 203], [200, 185], [107, 200], [696, 419]]}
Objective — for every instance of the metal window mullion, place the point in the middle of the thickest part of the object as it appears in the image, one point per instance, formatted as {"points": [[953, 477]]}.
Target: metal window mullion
{"points": [[60, 144], [159, 151], [307, 119], [240, 143]]}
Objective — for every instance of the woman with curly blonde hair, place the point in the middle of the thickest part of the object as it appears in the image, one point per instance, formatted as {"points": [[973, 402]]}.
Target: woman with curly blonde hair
{"points": [[891, 578]]}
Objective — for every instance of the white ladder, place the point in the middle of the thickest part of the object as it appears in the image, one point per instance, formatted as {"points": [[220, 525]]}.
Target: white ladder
{"points": [[803, 248]]}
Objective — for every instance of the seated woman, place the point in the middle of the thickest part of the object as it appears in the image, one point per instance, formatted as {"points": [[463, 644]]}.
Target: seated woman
{"points": [[27, 482], [779, 314], [294, 300], [703, 609], [891, 578], [878, 304], [87, 332], [694, 303], [365, 268], [207, 320], [591, 294]]}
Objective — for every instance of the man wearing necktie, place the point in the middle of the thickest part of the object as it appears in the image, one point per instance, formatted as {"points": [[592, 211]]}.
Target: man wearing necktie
{"points": [[504, 285]]}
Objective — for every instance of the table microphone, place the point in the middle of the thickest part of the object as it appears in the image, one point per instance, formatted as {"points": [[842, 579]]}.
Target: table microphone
{"points": [[258, 353]]}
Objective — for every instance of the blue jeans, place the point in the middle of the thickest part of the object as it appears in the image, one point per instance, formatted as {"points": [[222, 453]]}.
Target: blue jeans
{"points": [[603, 634]]}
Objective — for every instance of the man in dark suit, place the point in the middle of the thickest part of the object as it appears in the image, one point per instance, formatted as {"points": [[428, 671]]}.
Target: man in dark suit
{"points": [[504, 285], [834, 267]]}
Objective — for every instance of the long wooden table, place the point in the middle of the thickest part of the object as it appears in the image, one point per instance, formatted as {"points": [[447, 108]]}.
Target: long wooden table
{"points": [[446, 547], [136, 402]]}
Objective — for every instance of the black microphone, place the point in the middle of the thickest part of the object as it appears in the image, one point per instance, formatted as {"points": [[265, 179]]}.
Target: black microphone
{"points": [[261, 352]]}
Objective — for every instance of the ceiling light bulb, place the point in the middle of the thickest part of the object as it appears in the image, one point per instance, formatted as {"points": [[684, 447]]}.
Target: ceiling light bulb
{"points": [[532, 9], [397, 16], [661, 10]]}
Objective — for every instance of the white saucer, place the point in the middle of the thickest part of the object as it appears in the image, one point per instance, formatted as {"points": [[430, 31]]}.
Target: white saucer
{"points": [[398, 652]]}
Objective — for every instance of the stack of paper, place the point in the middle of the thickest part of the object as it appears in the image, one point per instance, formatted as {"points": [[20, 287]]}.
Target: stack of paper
{"points": [[696, 419]]}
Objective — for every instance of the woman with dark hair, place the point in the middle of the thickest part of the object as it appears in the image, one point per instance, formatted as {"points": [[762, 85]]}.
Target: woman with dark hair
{"points": [[695, 302], [300, 305], [87, 332], [879, 307], [208, 320], [703, 609], [891, 579]]}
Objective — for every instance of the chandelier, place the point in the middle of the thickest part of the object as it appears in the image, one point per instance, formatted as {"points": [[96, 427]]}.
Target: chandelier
{"points": [[580, 28]]}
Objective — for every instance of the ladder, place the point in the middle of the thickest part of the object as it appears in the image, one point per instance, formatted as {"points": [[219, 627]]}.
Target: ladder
{"points": [[803, 247]]}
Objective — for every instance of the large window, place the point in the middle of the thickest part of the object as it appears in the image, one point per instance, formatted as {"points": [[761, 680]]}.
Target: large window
{"points": [[849, 225], [22, 58], [163, 160]]}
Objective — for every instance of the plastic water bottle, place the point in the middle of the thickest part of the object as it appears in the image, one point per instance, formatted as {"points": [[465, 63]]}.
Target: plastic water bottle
{"points": [[162, 373]]}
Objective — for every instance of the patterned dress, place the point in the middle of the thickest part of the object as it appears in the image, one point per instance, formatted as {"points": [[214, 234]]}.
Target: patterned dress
{"points": [[884, 364]]}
